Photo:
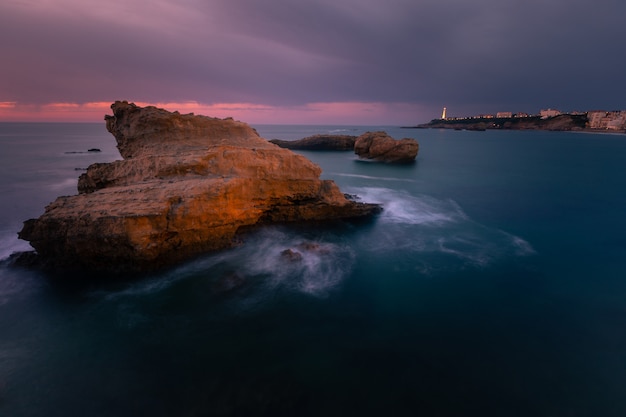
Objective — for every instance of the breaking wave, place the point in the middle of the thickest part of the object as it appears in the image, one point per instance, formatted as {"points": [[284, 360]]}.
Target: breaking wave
{"points": [[414, 233], [421, 224], [403, 208], [272, 262], [9, 243], [295, 263]]}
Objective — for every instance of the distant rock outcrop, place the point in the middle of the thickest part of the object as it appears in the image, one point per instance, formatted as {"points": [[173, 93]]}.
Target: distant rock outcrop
{"points": [[319, 143], [186, 185], [379, 146]]}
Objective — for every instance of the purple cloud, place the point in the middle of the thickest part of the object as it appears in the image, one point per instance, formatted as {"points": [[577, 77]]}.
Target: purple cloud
{"points": [[477, 56]]}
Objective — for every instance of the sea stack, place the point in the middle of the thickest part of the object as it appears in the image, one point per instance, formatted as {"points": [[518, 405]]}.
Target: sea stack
{"points": [[379, 146], [186, 185], [371, 146]]}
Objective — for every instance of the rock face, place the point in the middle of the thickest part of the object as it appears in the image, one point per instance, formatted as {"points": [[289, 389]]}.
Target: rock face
{"points": [[319, 143], [379, 146], [186, 185]]}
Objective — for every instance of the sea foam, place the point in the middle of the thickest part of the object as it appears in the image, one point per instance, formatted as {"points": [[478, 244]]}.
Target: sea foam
{"points": [[9, 243], [422, 224], [271, 262], [289, 261]]}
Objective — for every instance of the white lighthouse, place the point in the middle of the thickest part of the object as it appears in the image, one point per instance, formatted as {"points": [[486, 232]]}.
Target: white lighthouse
{"points": [[443, 114]]}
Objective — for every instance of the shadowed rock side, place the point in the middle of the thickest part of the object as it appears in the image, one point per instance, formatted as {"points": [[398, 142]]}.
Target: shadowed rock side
{"points": [[379, 146], [319, 143], [186, 185]]}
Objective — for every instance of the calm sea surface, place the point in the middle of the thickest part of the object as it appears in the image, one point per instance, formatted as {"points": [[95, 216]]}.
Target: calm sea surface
{"points": [[493, 284]]}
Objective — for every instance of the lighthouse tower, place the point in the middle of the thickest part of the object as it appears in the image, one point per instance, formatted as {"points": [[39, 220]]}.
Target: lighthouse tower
{"points": [[443, 114]]}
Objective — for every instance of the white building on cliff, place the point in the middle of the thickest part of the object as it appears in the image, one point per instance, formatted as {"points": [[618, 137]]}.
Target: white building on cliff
{"points": [[549, 113], [608, 120]]}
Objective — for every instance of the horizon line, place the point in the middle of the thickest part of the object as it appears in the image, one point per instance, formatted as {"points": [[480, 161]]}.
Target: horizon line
{"points": [[316, 113]]}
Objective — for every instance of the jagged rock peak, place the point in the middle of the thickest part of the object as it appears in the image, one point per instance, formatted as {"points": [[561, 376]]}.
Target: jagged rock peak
{"points": [[146, 130]]}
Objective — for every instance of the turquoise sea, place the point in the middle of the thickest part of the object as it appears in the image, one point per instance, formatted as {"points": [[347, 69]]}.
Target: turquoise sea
{"points": [[493, 284]]}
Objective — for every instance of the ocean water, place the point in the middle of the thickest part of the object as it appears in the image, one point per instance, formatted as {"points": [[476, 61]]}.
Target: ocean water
{"points": [[493, 284]]}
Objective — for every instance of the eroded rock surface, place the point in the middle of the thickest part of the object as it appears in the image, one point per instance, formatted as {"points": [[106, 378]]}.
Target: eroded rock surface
{"points": [[379, 146], [186, 185]]}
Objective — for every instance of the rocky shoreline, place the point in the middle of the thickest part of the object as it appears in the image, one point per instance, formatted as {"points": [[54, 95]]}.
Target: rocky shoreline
{"points": [[186, 185], [564, 122]]}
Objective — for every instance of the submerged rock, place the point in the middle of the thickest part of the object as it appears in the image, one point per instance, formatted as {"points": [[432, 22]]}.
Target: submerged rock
{"points": [[379, 146], [291, 255], [186, 185]]}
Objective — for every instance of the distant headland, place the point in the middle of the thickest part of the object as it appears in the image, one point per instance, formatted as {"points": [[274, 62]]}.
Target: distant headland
{"points": [[550, 119]]}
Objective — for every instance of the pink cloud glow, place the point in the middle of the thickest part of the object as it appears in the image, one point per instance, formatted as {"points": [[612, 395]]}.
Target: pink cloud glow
{"points": [[312, 113]]}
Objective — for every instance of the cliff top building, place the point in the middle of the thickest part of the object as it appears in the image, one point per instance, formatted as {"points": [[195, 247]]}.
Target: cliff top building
{"points": [[549, 113], [609, 120]]}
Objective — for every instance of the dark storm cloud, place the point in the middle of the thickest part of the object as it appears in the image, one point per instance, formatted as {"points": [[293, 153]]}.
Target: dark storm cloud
{"points": [[481, 54], [473, 56]]}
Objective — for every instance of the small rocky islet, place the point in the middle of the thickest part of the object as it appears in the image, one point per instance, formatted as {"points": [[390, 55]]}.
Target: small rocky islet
{"points": [[187, 185], [373, 146]]}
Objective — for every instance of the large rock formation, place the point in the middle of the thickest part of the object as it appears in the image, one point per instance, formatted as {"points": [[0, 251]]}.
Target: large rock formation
{"points": [[186, 185], [379, 146], [319, 143]]}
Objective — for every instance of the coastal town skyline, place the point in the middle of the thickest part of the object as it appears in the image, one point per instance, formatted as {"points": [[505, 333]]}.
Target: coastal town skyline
{"points": [[546, 119], [357, 62], [596, 119]]}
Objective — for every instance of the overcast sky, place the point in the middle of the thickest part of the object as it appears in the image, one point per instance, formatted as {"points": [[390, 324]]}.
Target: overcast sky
{"points": [[318, 61]]}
